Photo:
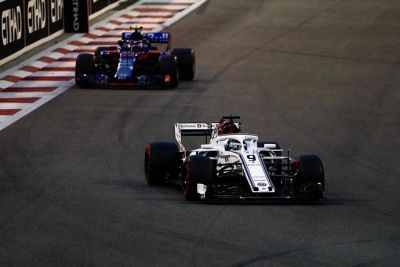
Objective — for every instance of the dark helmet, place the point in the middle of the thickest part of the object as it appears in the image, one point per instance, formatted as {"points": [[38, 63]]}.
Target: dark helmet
{"points": [[137, 34], [137, 28], [225, 127]]}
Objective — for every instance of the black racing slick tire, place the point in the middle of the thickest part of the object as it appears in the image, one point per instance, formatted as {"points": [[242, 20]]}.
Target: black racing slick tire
{"points": [[186, 62], [169, 66], [311, 170], [198, 169], [84, 65], [160, 161]]}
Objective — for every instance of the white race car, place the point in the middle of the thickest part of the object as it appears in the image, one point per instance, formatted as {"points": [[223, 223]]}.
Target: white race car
{"points": [[232, 165]]}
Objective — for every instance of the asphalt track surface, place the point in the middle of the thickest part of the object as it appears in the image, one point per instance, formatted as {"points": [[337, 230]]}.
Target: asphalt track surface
{"points": [[319, 77]]}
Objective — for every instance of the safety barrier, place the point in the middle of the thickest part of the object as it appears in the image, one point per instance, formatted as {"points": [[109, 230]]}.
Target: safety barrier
{"points": [[28, 23]]}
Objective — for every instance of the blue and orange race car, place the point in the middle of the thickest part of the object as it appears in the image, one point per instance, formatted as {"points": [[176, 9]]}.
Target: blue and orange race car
{"points": [[136, 62]]}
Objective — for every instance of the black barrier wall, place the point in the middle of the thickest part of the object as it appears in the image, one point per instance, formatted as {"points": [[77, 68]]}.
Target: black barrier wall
{"points": [[77, 12], [12, 27], [24, 22], [76, 16]]}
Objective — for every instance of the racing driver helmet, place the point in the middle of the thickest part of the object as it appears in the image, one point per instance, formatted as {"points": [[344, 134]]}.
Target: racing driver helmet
{"points": [[225, 127], [137, 34]]}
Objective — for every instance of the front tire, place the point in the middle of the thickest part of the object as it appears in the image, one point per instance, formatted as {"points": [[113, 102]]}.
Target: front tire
{"points": [[161, 160], [84, 65], [311, 172], [199, 170]]}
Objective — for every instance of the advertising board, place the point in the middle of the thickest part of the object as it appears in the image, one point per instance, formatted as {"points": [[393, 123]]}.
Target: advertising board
{"points": [[12, 27], [76, 16], [27, 22]]}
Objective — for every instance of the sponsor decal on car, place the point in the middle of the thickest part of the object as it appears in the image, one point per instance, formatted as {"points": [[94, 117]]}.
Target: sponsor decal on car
{"points": [[253, 164], [189, 126]]}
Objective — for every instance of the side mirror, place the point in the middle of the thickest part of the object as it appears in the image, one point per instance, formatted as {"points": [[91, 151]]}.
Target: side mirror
{"points": [[270, 146]]}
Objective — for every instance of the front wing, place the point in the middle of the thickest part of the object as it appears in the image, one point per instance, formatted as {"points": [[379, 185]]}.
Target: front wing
{"points": [[310, 191], [104, 80]]}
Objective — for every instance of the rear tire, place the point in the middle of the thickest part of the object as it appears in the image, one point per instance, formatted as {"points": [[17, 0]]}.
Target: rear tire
{"points": [[199, 169], [169, 66], [161, 159], [186, 62], [84, 65]]}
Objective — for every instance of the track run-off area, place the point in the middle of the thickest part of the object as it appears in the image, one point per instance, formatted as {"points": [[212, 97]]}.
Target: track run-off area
{"points": [[318, 77]]}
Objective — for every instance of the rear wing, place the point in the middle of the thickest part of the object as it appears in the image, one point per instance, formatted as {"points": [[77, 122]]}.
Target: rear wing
{"points": [[152, 37], [159, 38], [193, 129], [196, 129]]}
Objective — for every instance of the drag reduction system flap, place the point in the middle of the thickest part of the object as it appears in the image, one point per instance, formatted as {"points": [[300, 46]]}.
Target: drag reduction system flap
{"points": [[153, 37]]}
